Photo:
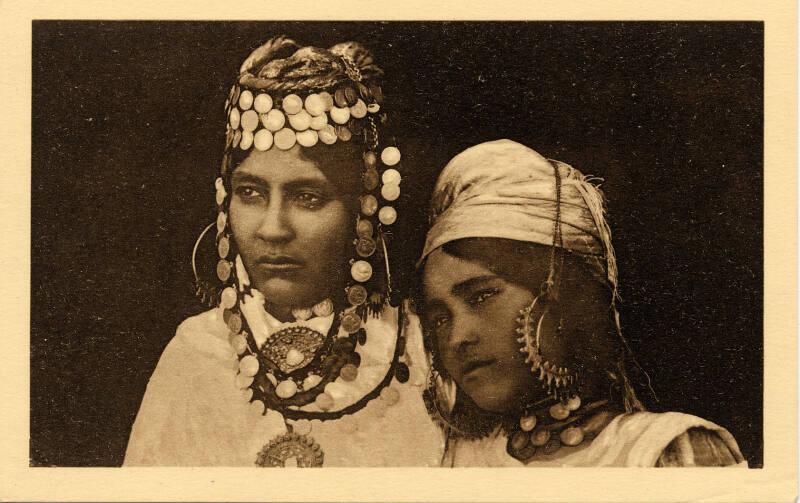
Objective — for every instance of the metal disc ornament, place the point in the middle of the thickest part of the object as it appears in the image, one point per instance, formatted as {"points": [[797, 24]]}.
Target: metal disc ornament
{"points": [[291, 449], [370, 178], [223, 247], [365, 247], [224, 270], [350, 95], [351, 322], [284, 346], [235, 323], [356, 295], [364, 228]]}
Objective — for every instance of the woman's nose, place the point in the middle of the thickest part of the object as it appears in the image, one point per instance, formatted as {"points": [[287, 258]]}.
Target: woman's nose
{"points": [[464, 332], [276, 225]]}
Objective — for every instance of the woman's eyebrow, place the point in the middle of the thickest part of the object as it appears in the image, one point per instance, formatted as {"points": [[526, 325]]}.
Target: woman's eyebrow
{"points": [[294, 184], [463, 288], [239, 177], [431, 305], [298, 183]]}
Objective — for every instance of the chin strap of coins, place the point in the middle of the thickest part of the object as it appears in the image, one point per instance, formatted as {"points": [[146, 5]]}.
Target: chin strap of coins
{"points": [[314, 98]]}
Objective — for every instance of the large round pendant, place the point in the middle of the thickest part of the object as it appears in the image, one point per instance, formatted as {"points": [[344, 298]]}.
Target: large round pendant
{"points": [[290, 450], [292, 348]]}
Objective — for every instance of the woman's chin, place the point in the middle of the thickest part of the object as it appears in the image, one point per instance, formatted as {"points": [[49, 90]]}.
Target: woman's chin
{"points": [[280, 292], [501, 399], [492, 400]]}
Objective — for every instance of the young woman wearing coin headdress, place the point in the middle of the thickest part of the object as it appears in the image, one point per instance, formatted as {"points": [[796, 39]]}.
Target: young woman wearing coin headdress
{"points": [[308, 358], [519, 289]]}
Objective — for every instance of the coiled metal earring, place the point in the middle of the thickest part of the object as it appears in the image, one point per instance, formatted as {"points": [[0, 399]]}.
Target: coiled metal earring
{"points": [[559, 381]]}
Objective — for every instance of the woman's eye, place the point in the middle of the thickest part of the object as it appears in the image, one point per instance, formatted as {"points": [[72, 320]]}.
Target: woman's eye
{"points": [[482, 295], [438, 322], [247, 193], [310, 200]]}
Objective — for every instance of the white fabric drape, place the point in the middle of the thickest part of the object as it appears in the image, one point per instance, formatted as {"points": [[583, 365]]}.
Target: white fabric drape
{"points": [[193, 414]]}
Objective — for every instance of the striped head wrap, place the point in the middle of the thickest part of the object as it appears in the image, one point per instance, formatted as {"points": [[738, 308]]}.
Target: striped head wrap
{"points": [[502, 189]]}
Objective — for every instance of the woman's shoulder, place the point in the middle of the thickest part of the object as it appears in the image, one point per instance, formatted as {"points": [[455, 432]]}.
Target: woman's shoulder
{"points": [[207, 323], [199, 336], [671, 439], [189, 375], [699, 446]]}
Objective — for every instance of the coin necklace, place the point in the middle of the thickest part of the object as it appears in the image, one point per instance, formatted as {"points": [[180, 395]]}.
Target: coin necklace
{"points": [[283, 376], [565, 423]]}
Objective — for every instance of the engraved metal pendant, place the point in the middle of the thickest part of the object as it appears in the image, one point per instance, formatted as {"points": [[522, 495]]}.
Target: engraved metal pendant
{"points": [[292, 348], [290, 450]]}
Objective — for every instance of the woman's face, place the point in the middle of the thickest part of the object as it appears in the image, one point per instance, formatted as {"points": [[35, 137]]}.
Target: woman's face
{"points": [[471, 314], [474, 291], [292, 224]]}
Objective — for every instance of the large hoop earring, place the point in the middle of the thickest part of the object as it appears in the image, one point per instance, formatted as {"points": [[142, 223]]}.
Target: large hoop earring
{"points": [[560, 381], [203, 289]]}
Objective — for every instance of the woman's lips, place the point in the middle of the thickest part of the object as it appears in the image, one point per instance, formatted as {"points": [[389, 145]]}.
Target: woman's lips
{"points": [[475, 365], [278, 263]]}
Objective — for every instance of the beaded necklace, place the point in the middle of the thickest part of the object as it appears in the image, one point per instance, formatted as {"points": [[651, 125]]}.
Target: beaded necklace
{"points": [[547, 429], [289, 372]]}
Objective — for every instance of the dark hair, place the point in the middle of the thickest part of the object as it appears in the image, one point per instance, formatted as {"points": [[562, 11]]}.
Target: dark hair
{"points": [[522, 263]]}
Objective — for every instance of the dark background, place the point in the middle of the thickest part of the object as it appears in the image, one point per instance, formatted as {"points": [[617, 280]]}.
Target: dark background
{"points": [[128, 130]]}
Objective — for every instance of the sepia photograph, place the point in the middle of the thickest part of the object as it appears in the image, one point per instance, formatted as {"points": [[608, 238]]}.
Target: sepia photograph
{"points": [[397, 244], [457, 252]]}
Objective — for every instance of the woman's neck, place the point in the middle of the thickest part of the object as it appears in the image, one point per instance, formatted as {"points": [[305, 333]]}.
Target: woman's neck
{"points": [[280, 313], [287, 314]]}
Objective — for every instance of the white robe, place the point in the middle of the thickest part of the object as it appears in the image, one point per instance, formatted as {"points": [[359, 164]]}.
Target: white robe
{"points": [[193, 413], [630, 440]]}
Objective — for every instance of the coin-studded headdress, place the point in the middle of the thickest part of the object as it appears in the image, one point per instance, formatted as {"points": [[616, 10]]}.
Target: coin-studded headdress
{"points": [[287, 95]]}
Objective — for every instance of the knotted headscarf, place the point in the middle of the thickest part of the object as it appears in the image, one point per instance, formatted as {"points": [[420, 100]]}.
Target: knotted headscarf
{"points": [[502, 189], [305, 69]]}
